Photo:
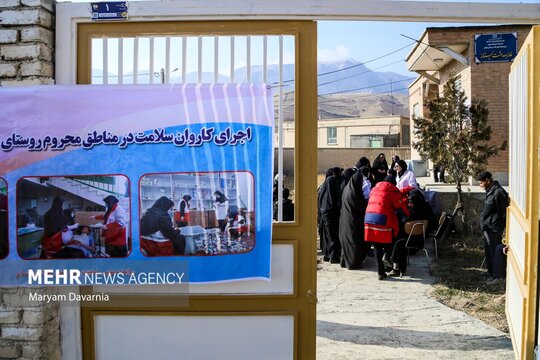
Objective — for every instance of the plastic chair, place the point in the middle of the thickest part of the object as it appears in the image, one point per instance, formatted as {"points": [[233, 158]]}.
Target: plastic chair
{"points": [[417, 228], [438, 234]]}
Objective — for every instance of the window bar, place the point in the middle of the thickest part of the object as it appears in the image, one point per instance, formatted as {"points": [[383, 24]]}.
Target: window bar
{"points": [[232, 59], [265, 60], [280, 132], [167, 74], [120, 60], [248, 59], [151, 60], [216, 59], [136, 60], [105, 74], [199, 69], [184, 59]]}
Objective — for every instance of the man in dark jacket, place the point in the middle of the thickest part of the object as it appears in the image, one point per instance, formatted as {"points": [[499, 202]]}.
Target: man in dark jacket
{"points": [[492, 218]]}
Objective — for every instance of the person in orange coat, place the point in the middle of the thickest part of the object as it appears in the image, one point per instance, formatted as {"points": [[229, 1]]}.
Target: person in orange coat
{"points": [[381, 224]]}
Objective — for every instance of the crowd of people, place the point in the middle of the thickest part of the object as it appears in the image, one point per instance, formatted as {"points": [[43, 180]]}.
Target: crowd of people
{"points": [[367, 206]]}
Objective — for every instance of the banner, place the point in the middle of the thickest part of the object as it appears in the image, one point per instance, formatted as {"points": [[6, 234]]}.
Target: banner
{"points": [[98, 178], [495, 47]]}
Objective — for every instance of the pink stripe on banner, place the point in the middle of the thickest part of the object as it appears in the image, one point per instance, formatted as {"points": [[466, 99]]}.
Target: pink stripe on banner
{"points": [[81, 109]]}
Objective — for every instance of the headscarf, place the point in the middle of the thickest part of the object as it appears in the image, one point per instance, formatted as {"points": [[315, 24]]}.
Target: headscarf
{"points": [[54, 220], [391, 179], [163, 203], [364, 170], [221, 197], [330, 199], [379, 163], [337, 171], [186, 197], [110, 200], [67, 215], [395, 159], [57, 204], [403, 166], [329, 172], [345, 177], [363, 161]]}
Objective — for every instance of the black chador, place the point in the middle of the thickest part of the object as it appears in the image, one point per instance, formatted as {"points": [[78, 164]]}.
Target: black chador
{"points": [[351, 224], [329, 206]]}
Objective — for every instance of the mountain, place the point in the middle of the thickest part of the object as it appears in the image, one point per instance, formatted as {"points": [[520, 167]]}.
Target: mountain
{"points": [[333, 78], [351, 74], [374, 93]]}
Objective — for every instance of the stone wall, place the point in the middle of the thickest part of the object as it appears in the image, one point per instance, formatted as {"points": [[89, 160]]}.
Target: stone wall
{"points": [[26, 42], [28, 329]]}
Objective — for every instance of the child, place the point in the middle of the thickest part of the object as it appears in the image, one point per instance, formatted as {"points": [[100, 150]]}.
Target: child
{"points": [[80, 246], [236, 224]]}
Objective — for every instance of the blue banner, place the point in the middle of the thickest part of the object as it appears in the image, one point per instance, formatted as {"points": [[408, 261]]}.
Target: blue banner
{"points": [[104, 175], [495, 47]]}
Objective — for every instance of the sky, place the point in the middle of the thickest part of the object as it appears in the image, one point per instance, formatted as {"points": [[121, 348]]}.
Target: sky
{"points": [[337, 41]]}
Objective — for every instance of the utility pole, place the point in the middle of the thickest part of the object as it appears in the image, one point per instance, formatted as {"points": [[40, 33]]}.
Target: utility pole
{"points": [[391, 98]]}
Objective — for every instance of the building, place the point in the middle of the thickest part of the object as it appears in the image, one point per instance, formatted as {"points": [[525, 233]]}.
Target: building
{"points": [[446, 51], [374, 132]]}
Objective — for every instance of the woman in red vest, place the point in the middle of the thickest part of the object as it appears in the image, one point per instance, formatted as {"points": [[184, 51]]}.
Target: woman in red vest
{"points": [[114, 231], [381, 224], [182, 217]]}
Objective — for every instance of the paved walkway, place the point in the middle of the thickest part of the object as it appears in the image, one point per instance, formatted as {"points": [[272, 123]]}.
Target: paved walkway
{"points": [[360, 317]]}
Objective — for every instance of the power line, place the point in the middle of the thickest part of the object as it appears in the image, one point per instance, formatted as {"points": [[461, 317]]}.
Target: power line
{"points": [[363, 72], [362, 96], [354, 96], [363, 88], [357, 65], [368, 87]]}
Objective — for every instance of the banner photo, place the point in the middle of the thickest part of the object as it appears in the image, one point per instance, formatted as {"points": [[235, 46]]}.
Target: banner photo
{"points": [[99, 178]]}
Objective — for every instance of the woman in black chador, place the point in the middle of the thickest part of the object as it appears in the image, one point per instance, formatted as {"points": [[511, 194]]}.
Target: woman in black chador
{"points": [[329, 207], [380, 168], [351, 224]]}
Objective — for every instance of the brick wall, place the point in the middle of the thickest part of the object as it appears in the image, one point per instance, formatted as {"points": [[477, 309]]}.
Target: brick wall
{"points": [[26, 42], [342, 157], [28, 329], [487, 81], [483, 78]]}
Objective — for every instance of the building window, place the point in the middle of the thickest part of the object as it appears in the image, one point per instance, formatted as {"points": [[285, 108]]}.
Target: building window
{"points": [[331, 137], [375, 143], [416, 110], [406, 134]]}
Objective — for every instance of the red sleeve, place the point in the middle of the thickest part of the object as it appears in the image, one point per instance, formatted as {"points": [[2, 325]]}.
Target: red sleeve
{"points": [[400, 204]]}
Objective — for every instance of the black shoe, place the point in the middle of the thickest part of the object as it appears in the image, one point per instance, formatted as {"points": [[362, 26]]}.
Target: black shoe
{"points": [[356, 267], [382, 276], [326, 259], [335, 261], [394, 272]]}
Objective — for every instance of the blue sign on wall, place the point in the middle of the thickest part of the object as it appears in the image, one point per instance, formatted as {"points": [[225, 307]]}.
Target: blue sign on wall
{"points": [[109, 11], [495, 47]]}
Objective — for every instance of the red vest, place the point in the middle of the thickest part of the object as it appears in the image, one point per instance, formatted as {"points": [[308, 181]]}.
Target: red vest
{"points": [[381, 223]]}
